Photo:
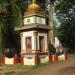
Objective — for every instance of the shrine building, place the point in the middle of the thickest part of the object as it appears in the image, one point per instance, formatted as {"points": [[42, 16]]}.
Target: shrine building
{"points": [[34, 36], [34, 39]]}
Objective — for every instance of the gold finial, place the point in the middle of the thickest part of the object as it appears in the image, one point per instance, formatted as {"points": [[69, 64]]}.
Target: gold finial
{"points": [[33, 1]]}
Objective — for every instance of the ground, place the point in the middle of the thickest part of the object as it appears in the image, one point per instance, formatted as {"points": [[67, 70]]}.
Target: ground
{"points": [[52, 68]]}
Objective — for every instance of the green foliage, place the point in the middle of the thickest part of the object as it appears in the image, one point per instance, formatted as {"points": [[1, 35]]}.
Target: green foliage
{"points": [[65, 12], [42, 3], [10, 17], [23, 4], [10, 73]]}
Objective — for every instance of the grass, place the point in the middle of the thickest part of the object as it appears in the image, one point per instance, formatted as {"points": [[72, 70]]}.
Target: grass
{"points": [[10, 73]]}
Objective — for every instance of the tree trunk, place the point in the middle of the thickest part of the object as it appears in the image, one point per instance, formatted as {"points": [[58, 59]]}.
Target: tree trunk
{"points": [[51, 31]]}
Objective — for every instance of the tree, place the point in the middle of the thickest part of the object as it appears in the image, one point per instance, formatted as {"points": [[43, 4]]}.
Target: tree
{"points": [[65, 12], [10, 17], [23, 4], [50, 12]]}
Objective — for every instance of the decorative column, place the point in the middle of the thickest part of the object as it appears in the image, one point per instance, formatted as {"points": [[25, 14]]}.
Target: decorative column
{"points": [[3, 59], [36, 60], [35, 40], [21, 37]]}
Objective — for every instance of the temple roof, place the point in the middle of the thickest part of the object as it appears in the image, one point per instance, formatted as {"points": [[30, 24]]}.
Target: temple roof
{"points": [[34, 9], [33, 27]]}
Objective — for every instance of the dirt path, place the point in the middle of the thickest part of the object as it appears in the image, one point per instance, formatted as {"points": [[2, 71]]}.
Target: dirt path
{"points": [[54, 68], [58, 68]]}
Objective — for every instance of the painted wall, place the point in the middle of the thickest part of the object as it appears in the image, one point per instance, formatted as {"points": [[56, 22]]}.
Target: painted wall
{"points": [[31, 34], [40, 20], [31, 20], [57, 43], [35, 19], [45, 37], [61, 57], [9, 60], [29, 60], [24, 35], [44, 58]]}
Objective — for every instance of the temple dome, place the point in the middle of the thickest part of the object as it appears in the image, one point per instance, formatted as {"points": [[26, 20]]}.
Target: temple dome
{"points": [[34, 7]]}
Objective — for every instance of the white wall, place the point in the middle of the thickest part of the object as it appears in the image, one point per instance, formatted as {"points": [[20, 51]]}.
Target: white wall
{"points": [[27, 34], [57, 43], [31, 20], [44, 58], [45, 37], [35, 19], [29, 60], [31, 34], [40, 20], [9, 60]]}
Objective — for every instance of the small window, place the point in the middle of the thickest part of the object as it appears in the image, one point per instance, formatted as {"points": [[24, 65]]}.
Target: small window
{"points": [[40, 20], [28, 20]]}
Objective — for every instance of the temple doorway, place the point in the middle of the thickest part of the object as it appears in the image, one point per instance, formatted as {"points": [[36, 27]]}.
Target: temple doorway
{"points": [[41, 43], [28, 44]]}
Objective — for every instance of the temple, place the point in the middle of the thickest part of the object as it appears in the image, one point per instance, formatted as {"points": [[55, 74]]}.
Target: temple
{"points": [[34, 36], [34, 40]]}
